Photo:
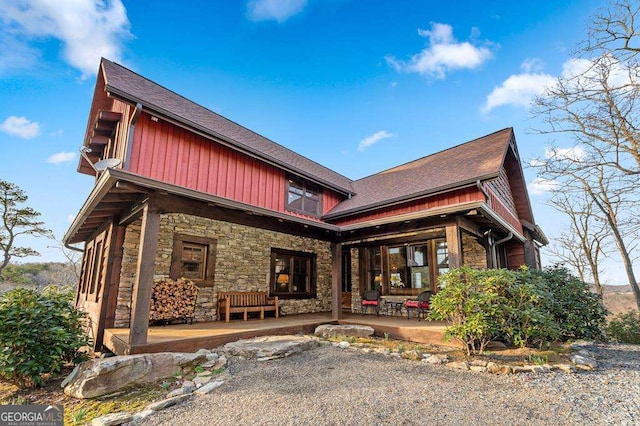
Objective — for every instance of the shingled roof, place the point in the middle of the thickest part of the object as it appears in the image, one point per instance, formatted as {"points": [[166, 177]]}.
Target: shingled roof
{"points": [[478, 159], [133, 87]]}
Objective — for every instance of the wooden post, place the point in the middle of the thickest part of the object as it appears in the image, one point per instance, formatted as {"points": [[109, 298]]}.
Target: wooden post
{"points": [[454, 245], [336, 282], [143, 287]]}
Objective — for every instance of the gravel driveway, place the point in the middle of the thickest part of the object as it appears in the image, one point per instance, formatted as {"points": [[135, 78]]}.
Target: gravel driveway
{"points": [[332, 386]]}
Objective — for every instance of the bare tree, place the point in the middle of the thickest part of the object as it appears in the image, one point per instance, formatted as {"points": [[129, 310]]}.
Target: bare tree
{"points": [[16, 221], [595, 104], [583, 244]]}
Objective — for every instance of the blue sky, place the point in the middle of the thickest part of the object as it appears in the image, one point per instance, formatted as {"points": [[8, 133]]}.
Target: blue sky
{"points": [[358, 86]]}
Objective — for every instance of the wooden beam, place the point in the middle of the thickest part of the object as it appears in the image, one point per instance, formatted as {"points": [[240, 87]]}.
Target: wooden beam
{"points": [[454, 245], [145, 269], [469, 226], [336, 282], [109, 115]]}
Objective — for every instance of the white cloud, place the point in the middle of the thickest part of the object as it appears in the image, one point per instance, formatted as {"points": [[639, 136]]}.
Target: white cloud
{"points": [[61, 157], [277, 10], [518, 90], [88, 29], [539, 186], [71, 218], [443, 54], [20, 127], [370, 140]]}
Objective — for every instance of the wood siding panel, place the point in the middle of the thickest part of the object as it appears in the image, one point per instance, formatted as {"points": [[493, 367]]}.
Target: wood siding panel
{"points": [[498, 206], [464, 195], [171, 154]]}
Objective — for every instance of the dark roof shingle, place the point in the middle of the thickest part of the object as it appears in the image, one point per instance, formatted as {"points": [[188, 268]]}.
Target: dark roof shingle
{"points": [[129, 85], [477, 159]]}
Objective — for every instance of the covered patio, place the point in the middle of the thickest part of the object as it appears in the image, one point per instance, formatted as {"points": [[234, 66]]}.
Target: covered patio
{"points": [[191, 337]]}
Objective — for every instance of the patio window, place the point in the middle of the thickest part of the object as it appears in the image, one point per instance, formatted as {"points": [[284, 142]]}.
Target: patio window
{"points": [[405, 269], [293, 274], [193, 258], [303, 197]]}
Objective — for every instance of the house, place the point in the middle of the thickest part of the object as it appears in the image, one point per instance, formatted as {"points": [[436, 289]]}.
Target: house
{"points": [[181, 191]]}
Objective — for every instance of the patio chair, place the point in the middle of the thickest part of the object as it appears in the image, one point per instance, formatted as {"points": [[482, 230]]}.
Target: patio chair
{"points": [[420, 304], [370, 299]]}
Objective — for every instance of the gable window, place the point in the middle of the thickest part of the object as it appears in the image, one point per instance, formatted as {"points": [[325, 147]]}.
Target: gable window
{"points": [[293, 274], [193, 258], [303, 197]]}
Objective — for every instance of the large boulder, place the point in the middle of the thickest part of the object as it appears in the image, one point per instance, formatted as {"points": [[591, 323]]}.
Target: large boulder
{"points": [[99, 377], [270, 347], [350, 330]]}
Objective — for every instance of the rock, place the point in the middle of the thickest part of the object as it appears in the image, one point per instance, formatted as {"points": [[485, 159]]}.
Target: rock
{"points": [[478, 363], [567, 368], [331, 330], [169, 402], [112, 419], [175, 392], [212, 360], [395, 355], [204, 373], [586, 353], [412, 355], [220, 363], [383, 351], [584, 362], [458, 365], [344, 345], [478, 368], [203, 351], [493, 368], [201, 380], [142, 415], [99, 377], [188, 386], [208, 388], [438, 359], [71, 376], [271, 346]]}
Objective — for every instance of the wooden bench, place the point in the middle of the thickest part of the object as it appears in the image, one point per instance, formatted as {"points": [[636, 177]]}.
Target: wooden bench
{"points": [[230, 302]]}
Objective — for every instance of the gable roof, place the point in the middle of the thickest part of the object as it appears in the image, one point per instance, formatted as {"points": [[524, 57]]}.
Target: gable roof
{"points": [[460, 165], [130, 86]]}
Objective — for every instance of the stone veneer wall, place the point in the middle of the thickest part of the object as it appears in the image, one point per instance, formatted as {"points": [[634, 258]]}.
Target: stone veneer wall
{"points": [[243, 263], [473, 253], [355, 279], [128, 273]]}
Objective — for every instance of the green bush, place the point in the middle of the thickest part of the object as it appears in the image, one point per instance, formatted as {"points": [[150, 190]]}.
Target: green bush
{"points": [[525, 319], [520, 307], [625, 328], [579, 313], [40, 332], [469, 299]]}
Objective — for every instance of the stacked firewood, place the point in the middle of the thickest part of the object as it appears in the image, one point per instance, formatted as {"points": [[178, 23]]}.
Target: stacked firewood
{"points": [[173, 300]]}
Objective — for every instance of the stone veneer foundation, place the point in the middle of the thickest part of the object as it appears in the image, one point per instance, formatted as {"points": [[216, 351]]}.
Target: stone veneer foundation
{"points": [[243, 263]]}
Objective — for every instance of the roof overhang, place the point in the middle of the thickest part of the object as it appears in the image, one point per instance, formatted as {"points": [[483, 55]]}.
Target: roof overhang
{"points": [[117, 190], [410, 197]]}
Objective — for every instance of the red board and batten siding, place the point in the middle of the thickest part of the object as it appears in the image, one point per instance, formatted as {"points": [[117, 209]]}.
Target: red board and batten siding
{"points": [[168, 153], [464, 195]]}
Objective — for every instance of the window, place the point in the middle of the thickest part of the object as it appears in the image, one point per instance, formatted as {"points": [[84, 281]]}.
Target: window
{"points": [[303, 197], [442, 257], [404, 269], [193, 258], [293, 274]]}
